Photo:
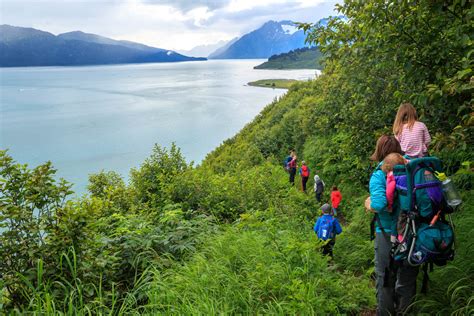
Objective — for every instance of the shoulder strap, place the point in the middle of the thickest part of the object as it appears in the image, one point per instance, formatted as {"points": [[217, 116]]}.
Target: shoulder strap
{"points": [[384, 233]]}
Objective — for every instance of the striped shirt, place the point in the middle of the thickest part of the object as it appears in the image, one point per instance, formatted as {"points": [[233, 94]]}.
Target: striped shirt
{"points": [[414, 141]]}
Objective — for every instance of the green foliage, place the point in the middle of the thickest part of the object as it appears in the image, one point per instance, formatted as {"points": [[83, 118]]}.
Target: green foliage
{"points": [[263, 265], [231, 236], [109, 186], [273, 83], [31, 204], [149, 180]]}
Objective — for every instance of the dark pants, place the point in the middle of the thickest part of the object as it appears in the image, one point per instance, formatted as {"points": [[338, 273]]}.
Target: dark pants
{"points": [[392, 286], [318, 196], [304, 180], [327, 249], [292, 175]]}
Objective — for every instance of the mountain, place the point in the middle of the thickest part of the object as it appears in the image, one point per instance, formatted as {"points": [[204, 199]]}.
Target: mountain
{"points": [[270, 39], [301, 58], [206, 50], [222, 49], [21, 47], [93, 38]]}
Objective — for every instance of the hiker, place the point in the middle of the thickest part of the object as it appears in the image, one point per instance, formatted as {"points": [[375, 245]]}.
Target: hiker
{"points": [[292, 167], [412, 134], [389, 283], [326, 228], [304, 173], [336, 198], [318, 187]]}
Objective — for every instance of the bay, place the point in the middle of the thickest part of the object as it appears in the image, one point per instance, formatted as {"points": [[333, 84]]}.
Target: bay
{"points": [[88, 119]]}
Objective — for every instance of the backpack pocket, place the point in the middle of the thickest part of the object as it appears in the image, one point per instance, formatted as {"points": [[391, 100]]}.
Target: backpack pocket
{"points": [[432, 244], [428, 193]]}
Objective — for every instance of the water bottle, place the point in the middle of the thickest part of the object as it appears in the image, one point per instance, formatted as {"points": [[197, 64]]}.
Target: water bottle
{"points": [[449, 191]]}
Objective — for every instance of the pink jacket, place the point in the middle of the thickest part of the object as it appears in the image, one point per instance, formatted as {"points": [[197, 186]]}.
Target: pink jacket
{"points": [[390, 190]]}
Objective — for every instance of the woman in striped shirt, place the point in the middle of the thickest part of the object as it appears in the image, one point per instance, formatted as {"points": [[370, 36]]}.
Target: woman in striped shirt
{"points": [[412, 134]]}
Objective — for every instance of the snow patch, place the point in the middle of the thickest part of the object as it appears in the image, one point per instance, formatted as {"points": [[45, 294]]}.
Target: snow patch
{"points": [[289, 29], [169, 53]]}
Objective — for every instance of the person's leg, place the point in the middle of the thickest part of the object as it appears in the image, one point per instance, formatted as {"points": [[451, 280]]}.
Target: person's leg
{"points": [[334, 211], [305, 180], [292, 175], [405, 288], [331, 247], [384, 286], [325, 250]]}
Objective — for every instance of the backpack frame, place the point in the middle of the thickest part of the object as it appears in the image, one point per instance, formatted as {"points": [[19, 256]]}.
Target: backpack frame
{"points": [[424, 222]]}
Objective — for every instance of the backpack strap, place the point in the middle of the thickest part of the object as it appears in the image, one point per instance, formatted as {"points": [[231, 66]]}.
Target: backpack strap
{"points": [[384, 233]]}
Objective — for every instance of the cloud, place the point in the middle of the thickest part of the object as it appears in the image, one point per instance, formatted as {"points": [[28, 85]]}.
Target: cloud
{"points": [[181, 24], [187, 5]]}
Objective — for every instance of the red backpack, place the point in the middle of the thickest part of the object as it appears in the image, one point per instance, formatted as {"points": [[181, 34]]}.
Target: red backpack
{"points": [[304, 171]]}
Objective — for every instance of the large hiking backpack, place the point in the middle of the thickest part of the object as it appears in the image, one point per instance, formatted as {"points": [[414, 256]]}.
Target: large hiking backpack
{"points": [[286, 163], [425, 230], [304, 171], [326, 228]]}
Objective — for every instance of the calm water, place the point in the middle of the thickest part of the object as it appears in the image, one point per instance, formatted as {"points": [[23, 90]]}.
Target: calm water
{"points": [[85, 119]]}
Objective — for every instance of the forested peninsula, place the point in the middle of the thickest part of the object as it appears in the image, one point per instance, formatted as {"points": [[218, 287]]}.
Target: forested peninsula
{"points": [[301, 58], [231, 236]]}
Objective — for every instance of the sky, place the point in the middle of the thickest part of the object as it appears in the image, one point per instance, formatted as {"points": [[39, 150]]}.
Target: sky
{"points": [[168, 24]]}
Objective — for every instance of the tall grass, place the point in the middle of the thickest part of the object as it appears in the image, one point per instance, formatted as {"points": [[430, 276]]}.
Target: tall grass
{"points": [[260, 269]]}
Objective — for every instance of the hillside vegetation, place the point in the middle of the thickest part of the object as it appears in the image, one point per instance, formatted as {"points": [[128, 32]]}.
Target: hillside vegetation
{"points": [[231, 236], [302, 58]]}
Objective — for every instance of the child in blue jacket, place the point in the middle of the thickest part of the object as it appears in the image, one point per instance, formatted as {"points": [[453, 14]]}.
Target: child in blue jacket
{"points": [[326, 228]]}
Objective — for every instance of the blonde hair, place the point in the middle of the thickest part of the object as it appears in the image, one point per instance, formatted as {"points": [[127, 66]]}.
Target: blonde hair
{"points": [[406, 114], [392, 160]]}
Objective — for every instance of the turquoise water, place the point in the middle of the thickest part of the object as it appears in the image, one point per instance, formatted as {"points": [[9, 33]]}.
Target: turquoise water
{"points": [[87, 119]]}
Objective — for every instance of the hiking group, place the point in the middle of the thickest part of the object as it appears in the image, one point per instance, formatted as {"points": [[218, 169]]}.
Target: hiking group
{"points": [[411, 199]]}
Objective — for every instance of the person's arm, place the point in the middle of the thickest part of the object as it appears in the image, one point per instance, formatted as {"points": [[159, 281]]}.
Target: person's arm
{"points": [[426, 136], [378, 198], [337, 227], [316, 226], [390, 189]]}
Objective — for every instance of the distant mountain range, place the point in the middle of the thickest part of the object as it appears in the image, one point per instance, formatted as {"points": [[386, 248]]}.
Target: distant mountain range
{"points": [[270, 39], [206, 50], [21, 46], [301, 58]]}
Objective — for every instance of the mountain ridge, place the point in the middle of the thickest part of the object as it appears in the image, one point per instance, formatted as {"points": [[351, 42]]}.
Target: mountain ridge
{"points": [[271, 38], [24, 47]]}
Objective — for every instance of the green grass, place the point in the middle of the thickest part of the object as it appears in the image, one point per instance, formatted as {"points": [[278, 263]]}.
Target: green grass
{"points": [[260, 268], [273, 83]]}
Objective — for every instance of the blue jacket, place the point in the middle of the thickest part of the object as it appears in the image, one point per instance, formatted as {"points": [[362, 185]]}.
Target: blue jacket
{"points": [[336, 225], [378, 202]]}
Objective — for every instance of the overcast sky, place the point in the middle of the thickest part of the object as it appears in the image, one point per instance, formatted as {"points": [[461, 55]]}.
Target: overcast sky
{"points": [[169, 24]]}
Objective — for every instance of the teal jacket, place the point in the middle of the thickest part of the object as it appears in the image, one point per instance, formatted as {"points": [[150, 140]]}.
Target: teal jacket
{"points": [[378, 202]]}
